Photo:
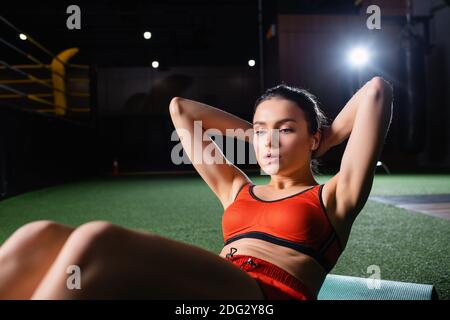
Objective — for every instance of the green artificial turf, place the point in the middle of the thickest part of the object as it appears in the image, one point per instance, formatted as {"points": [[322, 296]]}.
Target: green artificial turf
{"points": [[406, 246]]}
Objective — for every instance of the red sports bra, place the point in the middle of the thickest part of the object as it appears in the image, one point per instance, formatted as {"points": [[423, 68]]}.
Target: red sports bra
{"points": [[299, 221]]}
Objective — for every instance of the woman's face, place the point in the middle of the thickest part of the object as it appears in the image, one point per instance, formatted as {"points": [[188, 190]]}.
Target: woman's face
{"points": [[281, 139]]}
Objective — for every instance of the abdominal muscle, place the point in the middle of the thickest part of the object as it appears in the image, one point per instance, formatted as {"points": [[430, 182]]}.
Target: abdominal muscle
{"points": [[299, 265]]}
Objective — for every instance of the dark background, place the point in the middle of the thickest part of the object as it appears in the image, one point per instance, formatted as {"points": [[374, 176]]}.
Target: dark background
{"points": [[203, 48]]}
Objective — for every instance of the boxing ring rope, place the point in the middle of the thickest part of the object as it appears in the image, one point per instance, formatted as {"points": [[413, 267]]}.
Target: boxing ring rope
{"points": [[55, 102], [29, 38]]}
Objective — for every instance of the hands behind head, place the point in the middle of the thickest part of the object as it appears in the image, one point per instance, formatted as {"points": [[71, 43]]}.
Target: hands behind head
{"points": [[324, 143]]}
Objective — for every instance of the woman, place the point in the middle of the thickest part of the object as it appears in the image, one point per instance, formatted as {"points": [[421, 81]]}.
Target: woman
{"points": [[281, 238]]}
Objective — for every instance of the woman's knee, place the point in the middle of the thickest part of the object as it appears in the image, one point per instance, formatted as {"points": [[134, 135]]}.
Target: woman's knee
{"points": [[92, 237], [96, 230], [34, 237], [40, 229]]}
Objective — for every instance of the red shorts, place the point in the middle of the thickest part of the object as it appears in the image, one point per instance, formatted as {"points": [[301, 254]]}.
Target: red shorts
{"points": [[275, 283]]}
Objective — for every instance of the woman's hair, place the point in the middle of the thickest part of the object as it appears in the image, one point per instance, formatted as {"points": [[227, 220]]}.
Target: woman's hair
{"points": [[306, 101]]}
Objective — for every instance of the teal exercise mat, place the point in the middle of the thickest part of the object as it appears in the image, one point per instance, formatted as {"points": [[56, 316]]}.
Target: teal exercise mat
{"points": [[337, 287]]}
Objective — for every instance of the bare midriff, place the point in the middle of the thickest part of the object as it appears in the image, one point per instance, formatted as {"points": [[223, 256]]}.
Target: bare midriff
{"points": [[299, 265]]}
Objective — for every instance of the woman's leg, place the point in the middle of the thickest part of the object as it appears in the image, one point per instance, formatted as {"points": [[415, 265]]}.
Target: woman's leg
{"points": [[27, 255], [120, 264]]}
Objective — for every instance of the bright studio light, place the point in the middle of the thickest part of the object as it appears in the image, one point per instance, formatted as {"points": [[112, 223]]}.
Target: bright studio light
{"points": [[358, 56], [147, 35], [22, 36], [155, 64], [251, 63]]}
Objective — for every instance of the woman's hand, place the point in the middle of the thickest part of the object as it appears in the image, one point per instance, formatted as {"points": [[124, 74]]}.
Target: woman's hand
{"points": [[324, 144]]}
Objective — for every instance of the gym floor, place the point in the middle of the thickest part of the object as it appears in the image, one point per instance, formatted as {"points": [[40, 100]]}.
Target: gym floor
{"points": [[406, 244]]}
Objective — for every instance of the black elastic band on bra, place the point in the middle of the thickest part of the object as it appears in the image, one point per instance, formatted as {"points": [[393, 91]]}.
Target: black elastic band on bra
{"points": [[277, 200], [286, 243], [327, 243], [322, 204]]}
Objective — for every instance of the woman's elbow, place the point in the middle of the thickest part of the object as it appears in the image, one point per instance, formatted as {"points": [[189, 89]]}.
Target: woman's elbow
{"points": [[175, 106], [380, 89], [380, 96]]}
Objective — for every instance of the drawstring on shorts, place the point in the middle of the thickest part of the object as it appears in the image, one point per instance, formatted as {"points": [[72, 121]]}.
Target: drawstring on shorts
{"points": [[230, 255], [249, 261], [270, 277]]}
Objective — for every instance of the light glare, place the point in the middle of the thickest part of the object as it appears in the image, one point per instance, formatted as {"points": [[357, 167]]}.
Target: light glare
{"points": [[358, 56]]}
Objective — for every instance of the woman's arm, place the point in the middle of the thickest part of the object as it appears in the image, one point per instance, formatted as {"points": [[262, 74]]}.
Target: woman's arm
{"points": [[367, 116], [221, 175], [214, 118], [342, 125]]}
